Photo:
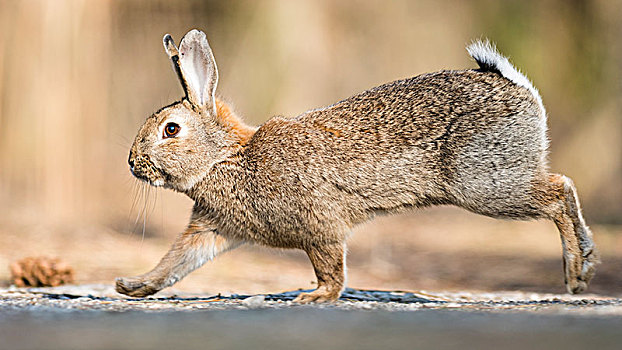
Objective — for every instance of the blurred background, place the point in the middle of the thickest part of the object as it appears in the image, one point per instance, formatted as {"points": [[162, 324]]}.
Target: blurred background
{"points": [[78, 78]]}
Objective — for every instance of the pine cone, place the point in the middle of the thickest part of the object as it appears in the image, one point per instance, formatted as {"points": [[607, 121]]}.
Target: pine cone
{"points": [[40, 272]]}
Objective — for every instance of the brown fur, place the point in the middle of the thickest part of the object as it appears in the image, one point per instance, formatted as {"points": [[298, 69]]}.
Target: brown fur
{"points": [[475, 139], [233, 124]]}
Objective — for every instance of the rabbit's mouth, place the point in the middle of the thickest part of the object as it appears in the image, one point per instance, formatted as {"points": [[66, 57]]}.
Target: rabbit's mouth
{"points": [[145, 170]]}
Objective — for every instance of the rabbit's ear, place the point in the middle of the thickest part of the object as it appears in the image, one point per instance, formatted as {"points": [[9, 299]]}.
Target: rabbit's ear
{"points": [[173, 54], [196, 68]]}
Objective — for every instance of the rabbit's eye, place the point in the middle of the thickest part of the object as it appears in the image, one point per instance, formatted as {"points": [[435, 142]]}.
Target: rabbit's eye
{"points": [[171, 130]]}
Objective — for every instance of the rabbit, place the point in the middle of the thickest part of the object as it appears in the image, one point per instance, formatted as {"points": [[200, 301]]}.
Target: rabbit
{"points": [[475, 138]]}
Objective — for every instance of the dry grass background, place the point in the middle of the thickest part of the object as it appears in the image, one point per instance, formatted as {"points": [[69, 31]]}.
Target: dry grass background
{"points": [[77, 79]]}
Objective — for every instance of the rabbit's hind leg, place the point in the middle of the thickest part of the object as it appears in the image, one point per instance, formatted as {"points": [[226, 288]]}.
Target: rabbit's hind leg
{"points": [[328, 261], [580, 257]]}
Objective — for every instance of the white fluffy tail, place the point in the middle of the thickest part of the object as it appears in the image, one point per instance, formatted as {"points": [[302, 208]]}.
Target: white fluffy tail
{"points": [[489, 59]]}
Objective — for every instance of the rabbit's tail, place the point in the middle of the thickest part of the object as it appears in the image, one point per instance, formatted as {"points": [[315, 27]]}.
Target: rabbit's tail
{"points": [[489, 59]]}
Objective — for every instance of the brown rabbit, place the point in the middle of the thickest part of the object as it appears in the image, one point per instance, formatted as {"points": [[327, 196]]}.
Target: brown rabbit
{"points": [[474, 138]]}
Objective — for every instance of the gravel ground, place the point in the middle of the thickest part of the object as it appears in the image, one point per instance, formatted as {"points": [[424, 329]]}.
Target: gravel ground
{"points": [[95, 317], [104, 298]]}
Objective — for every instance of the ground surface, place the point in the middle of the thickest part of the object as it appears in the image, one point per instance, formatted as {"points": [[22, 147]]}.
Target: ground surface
{"points": [[104, 298], [95, 317]]}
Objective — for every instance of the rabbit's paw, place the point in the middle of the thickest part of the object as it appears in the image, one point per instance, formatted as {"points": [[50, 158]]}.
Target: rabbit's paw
{"points": [[136, 286], [320, 295], [577, 281]]}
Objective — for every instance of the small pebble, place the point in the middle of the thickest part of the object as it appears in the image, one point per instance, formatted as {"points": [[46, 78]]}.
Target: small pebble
{"points": [[254, 302]]}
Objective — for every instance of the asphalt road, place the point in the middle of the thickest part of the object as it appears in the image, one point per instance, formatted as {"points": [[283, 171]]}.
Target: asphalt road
{"points": [[306, 329]]}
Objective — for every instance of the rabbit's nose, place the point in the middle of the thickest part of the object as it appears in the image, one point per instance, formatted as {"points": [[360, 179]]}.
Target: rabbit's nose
{"points": [[130, 160]]}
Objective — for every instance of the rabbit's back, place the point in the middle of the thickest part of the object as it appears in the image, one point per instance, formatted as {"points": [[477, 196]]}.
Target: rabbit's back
{"points": [[469, 138]]}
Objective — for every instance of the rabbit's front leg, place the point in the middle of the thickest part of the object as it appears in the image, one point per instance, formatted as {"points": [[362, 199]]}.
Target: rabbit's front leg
{"points": [[328, 261], [193, 248]]}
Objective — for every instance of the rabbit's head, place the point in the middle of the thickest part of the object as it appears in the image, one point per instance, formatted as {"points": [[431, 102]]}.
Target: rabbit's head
{"points": [[178, 144]]}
